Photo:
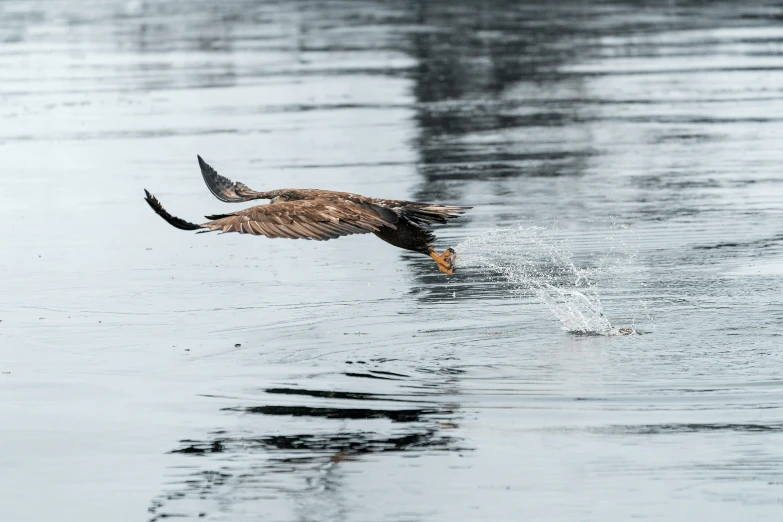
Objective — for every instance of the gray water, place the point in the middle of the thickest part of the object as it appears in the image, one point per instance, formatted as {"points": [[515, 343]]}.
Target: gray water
{"points": [[624, 162]]}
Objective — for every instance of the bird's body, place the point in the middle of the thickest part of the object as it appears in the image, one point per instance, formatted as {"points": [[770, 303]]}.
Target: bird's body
{"points": [[322, 215]]}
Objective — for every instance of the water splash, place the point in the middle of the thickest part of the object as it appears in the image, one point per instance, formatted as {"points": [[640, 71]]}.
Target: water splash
{"points": [[532, 260]]}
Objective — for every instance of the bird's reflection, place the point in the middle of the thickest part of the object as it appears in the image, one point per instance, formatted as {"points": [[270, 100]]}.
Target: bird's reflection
{"points": [[230, 468]]}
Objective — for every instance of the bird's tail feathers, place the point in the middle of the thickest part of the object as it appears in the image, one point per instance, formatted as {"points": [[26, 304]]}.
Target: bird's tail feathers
{"points": [[428, 213]]}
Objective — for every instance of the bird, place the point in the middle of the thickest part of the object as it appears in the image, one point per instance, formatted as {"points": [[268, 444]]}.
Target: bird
{"points": [[322, 215]]}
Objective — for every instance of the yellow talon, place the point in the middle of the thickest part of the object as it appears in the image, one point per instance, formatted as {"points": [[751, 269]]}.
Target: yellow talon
{"points": [[445, 260]]}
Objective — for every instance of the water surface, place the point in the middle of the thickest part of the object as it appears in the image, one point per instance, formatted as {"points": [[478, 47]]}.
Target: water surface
{"points": [[148, 373]]}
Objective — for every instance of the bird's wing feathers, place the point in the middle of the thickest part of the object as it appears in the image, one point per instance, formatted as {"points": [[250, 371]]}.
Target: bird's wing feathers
{"points": [[303, 219], [226, 190]]}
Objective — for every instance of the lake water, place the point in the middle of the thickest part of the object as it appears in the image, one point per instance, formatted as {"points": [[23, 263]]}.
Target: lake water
{"points": [[624, 163]]}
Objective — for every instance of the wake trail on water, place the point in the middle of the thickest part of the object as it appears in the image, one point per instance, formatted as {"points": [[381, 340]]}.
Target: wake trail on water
{"points": [[534, 260]]}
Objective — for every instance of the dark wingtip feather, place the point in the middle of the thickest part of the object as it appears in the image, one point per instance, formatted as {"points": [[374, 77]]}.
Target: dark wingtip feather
{"points": [[206, 171], [176, 222], [220, 187]]}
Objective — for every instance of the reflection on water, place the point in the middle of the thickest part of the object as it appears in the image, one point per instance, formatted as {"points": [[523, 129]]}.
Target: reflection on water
{"points": [[349, 381], [306, 468]]}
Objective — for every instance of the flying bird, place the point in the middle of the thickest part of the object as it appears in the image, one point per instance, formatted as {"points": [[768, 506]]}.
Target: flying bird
{"points": [[322, 215]]}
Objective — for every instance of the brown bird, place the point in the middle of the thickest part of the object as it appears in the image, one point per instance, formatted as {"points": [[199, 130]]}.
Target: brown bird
{"points": [[322, 215]]}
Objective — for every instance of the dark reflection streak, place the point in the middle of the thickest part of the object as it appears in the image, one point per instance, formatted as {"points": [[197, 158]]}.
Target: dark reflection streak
{"points": [[354, 444], [757, 244], [657, 429], [332, 394], [337, 413], [368, 376], [195, 447], [377, 372]]}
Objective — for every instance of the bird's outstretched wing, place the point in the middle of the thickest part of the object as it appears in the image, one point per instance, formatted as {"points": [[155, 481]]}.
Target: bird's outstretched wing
{"points": [[226, 190], [304, 219]]}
